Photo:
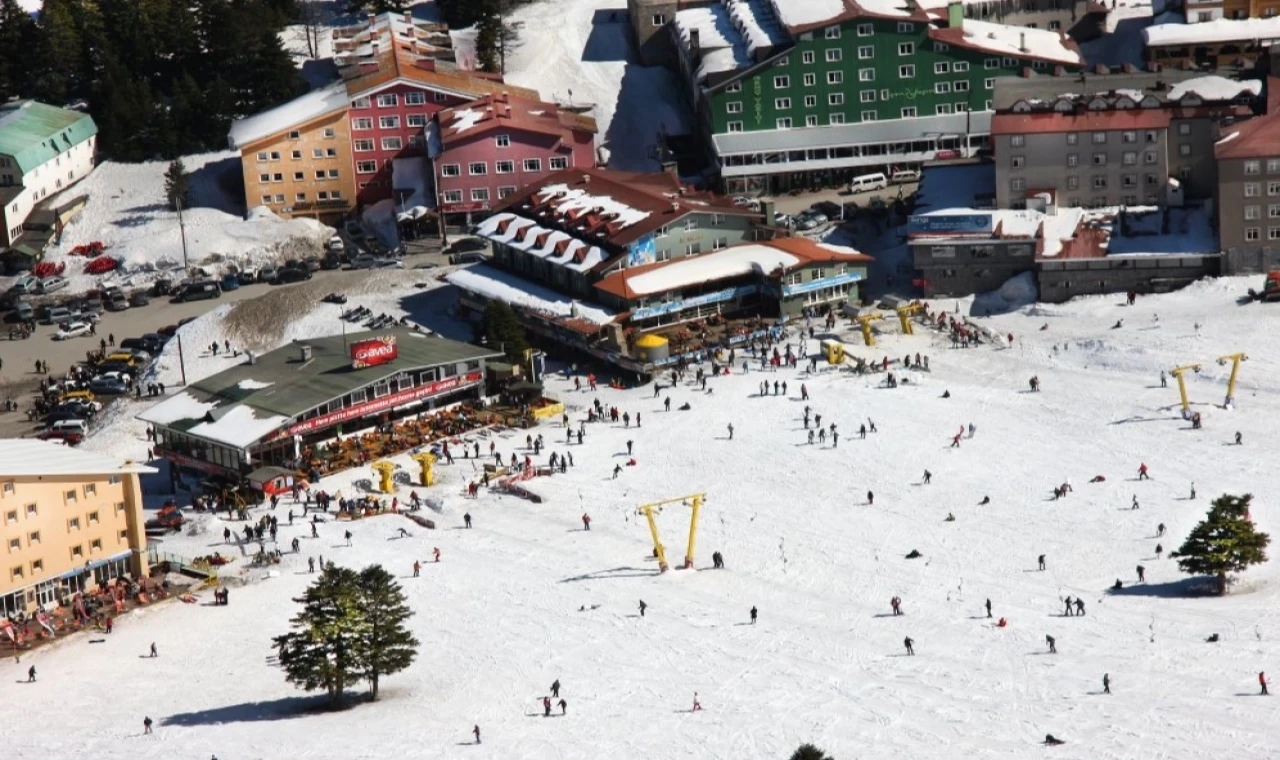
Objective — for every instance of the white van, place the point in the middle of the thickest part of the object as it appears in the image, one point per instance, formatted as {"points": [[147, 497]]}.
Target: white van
{"points": [[875, 181], [904, 176], [69, 426]]}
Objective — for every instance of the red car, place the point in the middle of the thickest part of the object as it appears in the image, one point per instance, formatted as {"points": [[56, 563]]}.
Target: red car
{"points": [[69, 437]]}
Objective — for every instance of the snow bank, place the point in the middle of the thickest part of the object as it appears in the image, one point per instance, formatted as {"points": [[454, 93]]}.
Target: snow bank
{"points": [[803, 12], [1214, 87], [126, 210], [707, 267], [1007, 40], [1210, 32], [494, 283]]}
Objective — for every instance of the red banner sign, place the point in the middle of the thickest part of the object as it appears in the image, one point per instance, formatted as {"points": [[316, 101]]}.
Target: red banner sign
{"points": [[191, 463], [374, 351], [386, 402]]}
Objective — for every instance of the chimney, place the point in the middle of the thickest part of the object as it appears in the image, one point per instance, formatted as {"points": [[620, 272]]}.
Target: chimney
{"points": [[586, 179], [766, 210], [670, 168], [955, 15], [695, 41], [304, 352], [674, 207], [408, 17], [371, 18], [1022, 42], [374, 46]]}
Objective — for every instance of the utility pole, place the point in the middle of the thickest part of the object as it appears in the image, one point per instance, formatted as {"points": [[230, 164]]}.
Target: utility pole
{"points": [[183, 229], [182, 364]]}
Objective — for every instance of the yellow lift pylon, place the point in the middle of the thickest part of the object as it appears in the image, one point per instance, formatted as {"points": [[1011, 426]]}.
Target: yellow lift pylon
{"points": [[649, 510], [1177, 373], [864, 324], [904, 316], [1235, 360], [386, 470], [428, 461]]}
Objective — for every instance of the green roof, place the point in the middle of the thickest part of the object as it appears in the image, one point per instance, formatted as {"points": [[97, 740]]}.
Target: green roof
{"points": [[280, 383], [34, 133]]}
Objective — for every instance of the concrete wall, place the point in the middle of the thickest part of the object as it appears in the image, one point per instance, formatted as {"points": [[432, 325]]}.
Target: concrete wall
{"points": [[1197, 171], [1062, 280], [1047, 165], [959, 268], [50, 526]]}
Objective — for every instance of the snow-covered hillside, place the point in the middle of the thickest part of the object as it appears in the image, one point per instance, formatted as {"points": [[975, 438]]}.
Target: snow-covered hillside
{"points": [[527, 596]]}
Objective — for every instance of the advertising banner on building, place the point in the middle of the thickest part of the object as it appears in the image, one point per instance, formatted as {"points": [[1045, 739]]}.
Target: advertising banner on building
{"points": [[374, 351], [386, 402], [950, 224]]}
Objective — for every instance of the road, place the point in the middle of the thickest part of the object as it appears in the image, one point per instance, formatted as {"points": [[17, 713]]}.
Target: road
{"points": [[19, 380]]}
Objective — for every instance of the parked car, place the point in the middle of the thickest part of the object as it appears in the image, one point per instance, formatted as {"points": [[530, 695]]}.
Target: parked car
{"points": [[390, 263], [471, 257], [72, 330], [69, 437], [24, 311], [26, 285], [132, 344], [311, 263], [169, 517], [110, 383], [331, 261], [828, 209], [335, 244], [267, 274], [79, 427], [139, 299], [291, 274], [781, 220], [804, 221], [162, 287], [92, 303], [363, 261], [157, 340], [231, 282], [116, 301], [198, 291], [123, 367], [462, 245], [52, 284], [73, 410]]}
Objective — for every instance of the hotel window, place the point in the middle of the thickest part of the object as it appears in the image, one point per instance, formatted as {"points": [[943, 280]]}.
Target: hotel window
{"points": [[658, 20], [416, 120], [1100, 138], [989, 84], [734, 87], [1073, 183], [833, 55], [95, 545], [93, 518], [961, 85], [262, 155], [909, 113], [558, 162], [415, 98], [362, 123], [837, 77], [1252, 212], [77, 551], [864, 30], [943, 109], [781, 82], [1184, 128], [906, 72], [279, 198], [835, 99], [16, 572], [15, 544], [1251, 234], [1153, 137], [480, 194], [503, 141], [807, 56], [783, 123], [942, 67], [504, 167], [362, 146], [366, 167], [90, 489], [389, 122], [1273, 165], [451, 170], [388, 100], [266, 199], [32, 510], [1273, 211], [317, 153], [360, 103], [320, 174], [733, 106], [1129, 181], [69, 497], [1099, 159], [868, 116], [833, 32], [73, 523], [941, 88], [1184, 150], [720, 242], [1129, 158], [991, 63], [37, 565], [810, 101], [734, 126], [505, 191], [906, 48], [717, 220], [782, 104], [533, 164], [439, 97], [906, 27], [1252, 167], [300, 198], [835, 118], [866, 53], [960, 66], [1099, 183], [392, 143], [1017, 162], [453, 196], [867, 96], [329, 133], [296, 155]]}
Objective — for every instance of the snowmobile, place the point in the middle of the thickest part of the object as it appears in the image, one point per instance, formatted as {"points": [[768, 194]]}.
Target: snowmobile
{"points": [[337, 298]]}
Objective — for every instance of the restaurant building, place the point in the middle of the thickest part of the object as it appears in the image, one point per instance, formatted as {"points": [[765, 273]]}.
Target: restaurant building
{"points": [[267, 410]]}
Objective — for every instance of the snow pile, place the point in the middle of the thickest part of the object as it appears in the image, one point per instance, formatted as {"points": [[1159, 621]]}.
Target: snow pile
{"points": [[754, 19], [1018, 291], [1214, 87], [708, 35], [794, 13], [1190, 230], [126, 210], [707, 267], [1005, 40]]}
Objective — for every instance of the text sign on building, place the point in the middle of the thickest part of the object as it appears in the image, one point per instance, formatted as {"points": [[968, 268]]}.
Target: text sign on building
{"points": [[825, 282], [728, 294], [386, 402], [950, 224], [374, 351]]}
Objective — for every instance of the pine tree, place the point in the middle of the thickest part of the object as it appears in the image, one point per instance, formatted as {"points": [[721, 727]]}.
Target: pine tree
{"points": [[386, 645], [809, 752], [177, 184], [323, 650], [1226, 541], [488, 42], [500, 329]]}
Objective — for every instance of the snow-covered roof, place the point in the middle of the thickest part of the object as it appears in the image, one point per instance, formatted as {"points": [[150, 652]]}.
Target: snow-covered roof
{"points": [[524, 234], [32, 457], [757, 23], [1209, 32], [720, 47], [718, 265], [567, 200], [239, 427], [795, 13], [495, 283], [1058, 228], [1213, 87], [182, 406], [1005, 40], [298, 111]]}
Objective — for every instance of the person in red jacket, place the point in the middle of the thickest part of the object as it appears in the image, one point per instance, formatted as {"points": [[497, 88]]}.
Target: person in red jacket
{"points": [[1142, 472], [1262, 681], [586, 521]]}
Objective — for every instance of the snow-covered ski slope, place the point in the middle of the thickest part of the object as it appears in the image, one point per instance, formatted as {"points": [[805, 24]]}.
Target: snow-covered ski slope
{"points": [[502, 615]]}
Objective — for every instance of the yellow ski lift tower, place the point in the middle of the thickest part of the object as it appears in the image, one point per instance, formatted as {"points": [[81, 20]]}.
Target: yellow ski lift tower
{"points": [[1235, 360], [864, 324], [904, 317], [648, 510], [1182, 386], [385, 470], [428, 462]]}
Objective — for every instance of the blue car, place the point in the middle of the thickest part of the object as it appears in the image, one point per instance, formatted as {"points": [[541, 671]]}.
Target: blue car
{"points": [[231, 282]]}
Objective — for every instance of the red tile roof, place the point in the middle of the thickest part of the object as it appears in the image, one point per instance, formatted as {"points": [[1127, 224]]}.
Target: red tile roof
{"points": [[505, 111], [1258, 137], [1097, 121]]}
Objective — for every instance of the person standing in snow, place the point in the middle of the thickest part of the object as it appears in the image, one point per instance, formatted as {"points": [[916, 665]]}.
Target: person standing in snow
{"points": [[1106, 683], [871, 498], [546, 707], [928, 477], [154, 653], [417, 568], [1079, 607], [1193, 490], [1142, 574], [696, 704], [1160, 530], [754, 613], [348, 537], [910, 644], [586, 521], [1262, 681], [1053, 644], [1159, 550], [31, 674], [1067, 603], [988, 608], [476, 730], [731, 431], [1142, 472], [643, 607], [1040, 559], [555, 688], [564, 707], [896, 604], [146, 721], [1239, 440]]}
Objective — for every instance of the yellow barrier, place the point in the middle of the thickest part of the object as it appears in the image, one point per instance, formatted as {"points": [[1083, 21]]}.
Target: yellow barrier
{"points": [[548, 411]]}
